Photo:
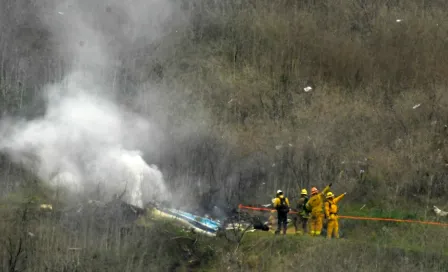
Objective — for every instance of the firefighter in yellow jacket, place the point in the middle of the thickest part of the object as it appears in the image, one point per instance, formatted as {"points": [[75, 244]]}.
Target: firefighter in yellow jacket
{"points": [[281, 204], [331, 213], [315, 205]]}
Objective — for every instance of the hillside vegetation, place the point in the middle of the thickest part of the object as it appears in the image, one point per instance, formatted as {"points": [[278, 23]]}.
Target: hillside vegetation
{"points": [[42, 241], [251, 62], [238, 70], [249, 65], [227, 86]]}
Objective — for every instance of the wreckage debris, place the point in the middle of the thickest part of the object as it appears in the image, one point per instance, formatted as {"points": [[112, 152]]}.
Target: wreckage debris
{"points": [[196, 223], [439, 212], [46, 207], [117, 213]]}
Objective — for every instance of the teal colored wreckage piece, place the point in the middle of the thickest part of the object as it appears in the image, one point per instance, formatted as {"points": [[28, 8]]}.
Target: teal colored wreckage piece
{"points": [[207, 225]]}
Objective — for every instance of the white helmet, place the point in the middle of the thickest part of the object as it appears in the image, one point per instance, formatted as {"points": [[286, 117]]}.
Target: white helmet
{"points": [[279, 192]]}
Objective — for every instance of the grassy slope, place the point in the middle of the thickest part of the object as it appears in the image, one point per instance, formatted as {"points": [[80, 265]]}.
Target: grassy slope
{"points": [[246, 65], [160, 245], [368, 72], [314, 254], [365, 246]]}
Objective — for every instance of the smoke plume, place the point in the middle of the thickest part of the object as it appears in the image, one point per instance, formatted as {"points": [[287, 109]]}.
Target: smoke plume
{"points": [[85, 141]]}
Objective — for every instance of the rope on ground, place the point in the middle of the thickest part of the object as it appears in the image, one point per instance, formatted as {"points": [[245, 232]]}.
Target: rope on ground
{"points": [[357, 217]]}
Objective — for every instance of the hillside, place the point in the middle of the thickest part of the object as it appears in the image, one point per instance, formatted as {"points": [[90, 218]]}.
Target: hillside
{"points": [[236, 72], [226, 115], [44, 240]]}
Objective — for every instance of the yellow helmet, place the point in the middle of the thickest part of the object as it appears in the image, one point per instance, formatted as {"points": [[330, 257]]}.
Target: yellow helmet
{"points": [[304, 192], [330, 194]]}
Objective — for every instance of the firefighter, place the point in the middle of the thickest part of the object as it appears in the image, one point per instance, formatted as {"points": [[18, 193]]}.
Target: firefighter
{"points": [[281, 204], [315, 205], [301, 218], [331, 213]]}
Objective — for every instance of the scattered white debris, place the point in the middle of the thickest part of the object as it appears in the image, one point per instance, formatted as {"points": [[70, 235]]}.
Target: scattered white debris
{"points": [[273, 165], [278, 147], [406, 260], [60, 12], [31, 234], [290, 145], [363, 206], [240, 226], [46, 207], [416, 106], [307, 89], [230, 101], [399, 20], [439, 212]]}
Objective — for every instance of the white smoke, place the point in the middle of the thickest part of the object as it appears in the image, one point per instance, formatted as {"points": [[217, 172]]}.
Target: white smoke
{"points": [[85, 141]]}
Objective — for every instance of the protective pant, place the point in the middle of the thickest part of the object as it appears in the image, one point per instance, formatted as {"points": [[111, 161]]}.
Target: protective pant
{"points": [[333, 228], [282, 222], [304, 224], [316, 224], [300, 220]]}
